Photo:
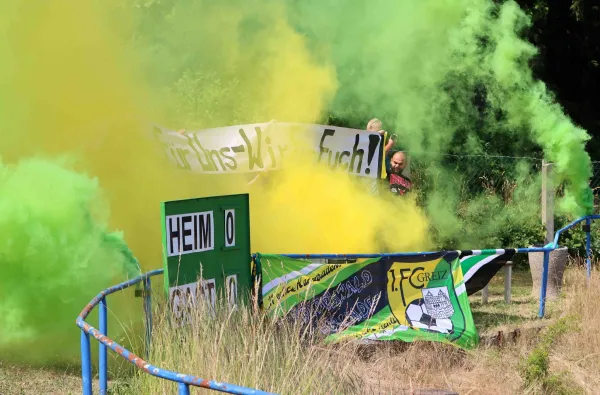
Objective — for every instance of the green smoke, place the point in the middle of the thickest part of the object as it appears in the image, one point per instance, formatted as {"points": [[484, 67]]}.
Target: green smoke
{"points": [[454, 77], [55, 255], [528, 103], [450, 77]]}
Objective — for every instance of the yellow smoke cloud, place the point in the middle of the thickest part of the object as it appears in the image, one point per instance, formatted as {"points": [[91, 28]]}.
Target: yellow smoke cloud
{"points": [[72, 82], [75, 86], [309, 209]]}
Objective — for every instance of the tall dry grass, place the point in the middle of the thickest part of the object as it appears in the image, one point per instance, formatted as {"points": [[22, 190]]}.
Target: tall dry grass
{"points": [[244, 347], [250, 349]]}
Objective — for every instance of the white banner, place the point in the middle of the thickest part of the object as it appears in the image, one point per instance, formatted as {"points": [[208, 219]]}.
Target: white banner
{"points": [[263, 146]]}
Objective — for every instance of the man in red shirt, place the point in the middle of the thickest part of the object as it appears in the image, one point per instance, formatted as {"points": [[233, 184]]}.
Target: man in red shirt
{"points": [[398, 183]]}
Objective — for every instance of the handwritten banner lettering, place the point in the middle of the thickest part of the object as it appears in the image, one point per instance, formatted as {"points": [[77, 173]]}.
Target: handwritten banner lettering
{"points": [[264, 146]]}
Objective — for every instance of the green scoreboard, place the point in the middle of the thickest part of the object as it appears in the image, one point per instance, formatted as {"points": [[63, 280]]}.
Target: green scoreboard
{"points": [[206, 250]]}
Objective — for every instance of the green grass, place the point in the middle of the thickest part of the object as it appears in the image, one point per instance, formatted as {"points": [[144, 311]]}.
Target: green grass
{"points": [[496, 314]]}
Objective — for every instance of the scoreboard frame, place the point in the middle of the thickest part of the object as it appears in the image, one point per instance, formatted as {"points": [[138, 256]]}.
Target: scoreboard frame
{"points": [[206, 250]]}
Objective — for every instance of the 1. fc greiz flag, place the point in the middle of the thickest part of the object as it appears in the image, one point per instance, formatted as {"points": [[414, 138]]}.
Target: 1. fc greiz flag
{"points": [[391, 298]]}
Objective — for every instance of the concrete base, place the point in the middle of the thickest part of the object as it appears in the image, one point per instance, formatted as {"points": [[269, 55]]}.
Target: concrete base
{"points": [[556, 268]]}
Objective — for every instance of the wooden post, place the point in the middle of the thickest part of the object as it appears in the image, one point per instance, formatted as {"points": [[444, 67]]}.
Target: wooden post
{"points": [[547, 201], [507, 282], [484, 295]]}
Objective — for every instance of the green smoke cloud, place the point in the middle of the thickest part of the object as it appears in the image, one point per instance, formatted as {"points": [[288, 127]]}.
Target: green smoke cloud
{"points": [[55, 255], [453, 77]]}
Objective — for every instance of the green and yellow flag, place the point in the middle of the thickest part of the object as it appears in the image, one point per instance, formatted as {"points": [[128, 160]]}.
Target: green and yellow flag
{"points": [[391, 298]]}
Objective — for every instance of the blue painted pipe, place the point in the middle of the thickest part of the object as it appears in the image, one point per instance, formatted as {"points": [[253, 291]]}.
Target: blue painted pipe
{"points": [[163, 373], [572, 224], [534, 249], [181, 379], [544, 285], [588, 248], [148, 313], [86, 364], [357, 256], [111, 290], [184, 389], [400, 254], [102, 356]]}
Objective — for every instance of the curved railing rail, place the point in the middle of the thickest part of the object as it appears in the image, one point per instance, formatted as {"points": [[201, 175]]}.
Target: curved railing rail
{"points": [[185, 381]]}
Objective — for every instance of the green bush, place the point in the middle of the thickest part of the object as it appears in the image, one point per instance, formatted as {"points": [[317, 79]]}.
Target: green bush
{"points": [[575, 238]]}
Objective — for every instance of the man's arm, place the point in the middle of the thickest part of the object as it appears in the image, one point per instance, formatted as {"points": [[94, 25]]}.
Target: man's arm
{"points": [[390, 142], [389, 145]]}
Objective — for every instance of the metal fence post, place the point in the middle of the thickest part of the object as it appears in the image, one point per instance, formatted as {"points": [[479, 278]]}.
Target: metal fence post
{"points": [[184, 389], [544, 284], [588, 248], [86, 364], [507, 282], [102, 356], [148, 314], [484, 295], [547, 201]]}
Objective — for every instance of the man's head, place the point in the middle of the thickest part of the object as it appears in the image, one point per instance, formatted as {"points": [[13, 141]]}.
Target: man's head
{"points": [[374, 125], [398, 162]]}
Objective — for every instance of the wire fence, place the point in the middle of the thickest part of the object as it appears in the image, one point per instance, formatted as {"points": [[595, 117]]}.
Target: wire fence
{"points": [[595, 180], [474, 175], [595, 185], [485, 173], [467, 176]]}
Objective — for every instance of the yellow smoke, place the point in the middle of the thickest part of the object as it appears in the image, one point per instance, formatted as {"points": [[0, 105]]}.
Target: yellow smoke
{"points": [[309, 209], [74, 85]]}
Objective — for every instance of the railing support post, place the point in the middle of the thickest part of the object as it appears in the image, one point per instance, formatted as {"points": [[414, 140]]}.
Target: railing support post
{"points": [[184, 389], [544, 284], [148, 314], [507, 282], [102, 355], [484, 295], [588, 248], [86, 364]]}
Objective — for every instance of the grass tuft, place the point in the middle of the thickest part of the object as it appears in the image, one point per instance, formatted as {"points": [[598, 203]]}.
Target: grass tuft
{"points": [[244, 347]]}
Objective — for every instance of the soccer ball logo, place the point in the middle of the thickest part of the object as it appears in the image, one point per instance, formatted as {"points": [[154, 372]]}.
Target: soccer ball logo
{"points": [[433, 312]]}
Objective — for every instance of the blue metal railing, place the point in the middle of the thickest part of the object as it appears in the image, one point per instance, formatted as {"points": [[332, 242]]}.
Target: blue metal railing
{"points": [[185, 381], [546, 250]]}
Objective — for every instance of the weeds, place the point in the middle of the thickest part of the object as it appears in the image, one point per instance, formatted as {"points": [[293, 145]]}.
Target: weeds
{"points": [[252, 350], [244, 347], [535, 369], [278, 356]]}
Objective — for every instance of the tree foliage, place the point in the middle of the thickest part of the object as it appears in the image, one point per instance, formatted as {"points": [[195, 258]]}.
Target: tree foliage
{"points": [[567, 34]]}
